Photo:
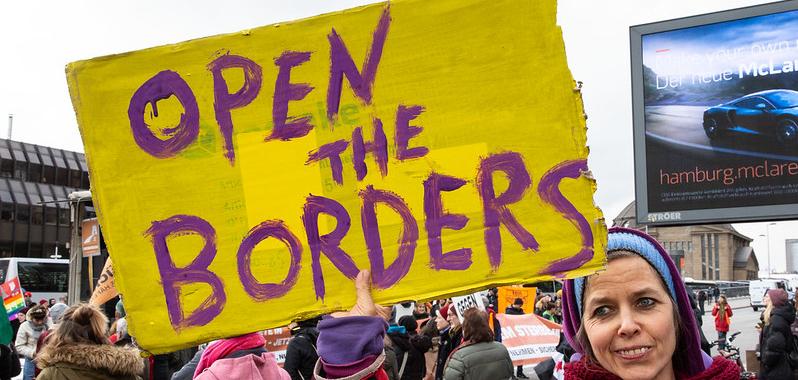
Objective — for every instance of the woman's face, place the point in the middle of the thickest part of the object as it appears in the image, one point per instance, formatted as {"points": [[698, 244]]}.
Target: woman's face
{"points": [[441, 322], [767, 300], [628, 318]]}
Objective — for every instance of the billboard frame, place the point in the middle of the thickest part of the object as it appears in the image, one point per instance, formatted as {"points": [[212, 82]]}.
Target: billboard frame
{"points": [[696, 216]]}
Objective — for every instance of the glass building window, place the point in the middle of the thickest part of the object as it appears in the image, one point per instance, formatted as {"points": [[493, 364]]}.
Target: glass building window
{"points": [[7, 212], [23, 213], [48, 174], [21, 170], [50, 215], [63, 215], [7, 168], [37, 215]]}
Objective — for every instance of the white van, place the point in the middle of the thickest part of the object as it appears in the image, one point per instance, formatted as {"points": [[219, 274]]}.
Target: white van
{"points": [[758, 288], [44, 278]]}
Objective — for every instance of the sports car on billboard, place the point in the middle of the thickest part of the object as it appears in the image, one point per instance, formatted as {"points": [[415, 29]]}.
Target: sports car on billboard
{"points": [[770, 113]]}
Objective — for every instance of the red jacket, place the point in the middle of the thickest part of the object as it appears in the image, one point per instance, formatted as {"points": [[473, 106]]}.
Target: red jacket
{"points": [[722, 320]]}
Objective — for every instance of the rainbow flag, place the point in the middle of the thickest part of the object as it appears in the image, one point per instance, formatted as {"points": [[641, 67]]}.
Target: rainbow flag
{"points": [[12, 297]]}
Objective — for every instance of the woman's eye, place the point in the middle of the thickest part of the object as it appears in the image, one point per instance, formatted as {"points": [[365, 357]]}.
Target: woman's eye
{"points": [[646, 302], [601, 311]]}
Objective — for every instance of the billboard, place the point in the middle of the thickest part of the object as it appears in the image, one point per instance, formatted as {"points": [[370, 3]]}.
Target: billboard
{"points": [[715, 107]]}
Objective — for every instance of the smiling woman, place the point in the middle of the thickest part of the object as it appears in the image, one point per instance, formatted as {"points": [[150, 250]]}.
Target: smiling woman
{"points": [[634, 320]]}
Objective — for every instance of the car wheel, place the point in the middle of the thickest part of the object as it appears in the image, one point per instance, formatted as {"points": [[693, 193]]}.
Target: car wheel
{"points": [[787, 133], [712, 128]]}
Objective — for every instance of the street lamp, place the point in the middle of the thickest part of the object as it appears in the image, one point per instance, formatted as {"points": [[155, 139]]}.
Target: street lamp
{"points": [[770, 262]]}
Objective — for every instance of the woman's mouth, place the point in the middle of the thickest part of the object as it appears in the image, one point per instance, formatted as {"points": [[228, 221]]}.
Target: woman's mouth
{"points": [[633, 353]]}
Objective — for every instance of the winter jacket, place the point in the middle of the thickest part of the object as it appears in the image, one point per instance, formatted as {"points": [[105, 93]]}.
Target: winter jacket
{"points": [[89, 362], [720, 369], [488, 360], [411, 348], [722, 320], [9, 363], [449, 341], [510, 310], [250, 367], [301, 355], [775, 344], [27, 336]]}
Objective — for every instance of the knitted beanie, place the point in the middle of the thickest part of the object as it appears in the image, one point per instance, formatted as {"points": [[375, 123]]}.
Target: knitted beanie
{"points": [[778, 297]]}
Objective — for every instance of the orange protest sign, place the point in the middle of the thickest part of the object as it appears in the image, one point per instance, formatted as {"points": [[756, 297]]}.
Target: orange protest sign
{"points": [[277, 342], [508, 294], [105, 289], [529, 339]]}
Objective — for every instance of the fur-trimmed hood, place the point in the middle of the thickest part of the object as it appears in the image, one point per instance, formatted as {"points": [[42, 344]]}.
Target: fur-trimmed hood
{"points": [[100, 357]]}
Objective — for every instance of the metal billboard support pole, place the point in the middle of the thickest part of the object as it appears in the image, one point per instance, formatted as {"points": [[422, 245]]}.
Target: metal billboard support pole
{"points": [[75, 246]]}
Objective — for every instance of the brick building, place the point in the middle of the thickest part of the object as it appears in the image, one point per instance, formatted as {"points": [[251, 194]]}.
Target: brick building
{"points": [[703, 252]]}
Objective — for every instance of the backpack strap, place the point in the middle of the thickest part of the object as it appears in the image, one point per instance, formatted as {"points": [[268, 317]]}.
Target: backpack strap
{"points": [[404, 363]]}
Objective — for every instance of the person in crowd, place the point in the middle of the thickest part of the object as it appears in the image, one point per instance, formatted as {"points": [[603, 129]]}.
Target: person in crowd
{"points": [[409, 349], [28, 299], [549, 312], [634, 320], [775, 342], [79, 349], [517, 308], [28, 336], [421, 311], [9, 362], [722, 313], [558, 310], [479, 357], [493, 322], [493, 297], [451, 335], [241, 357], [716, 293], [57, 309], [540, 305], [699, 318], [301, 356], [702, 299]]}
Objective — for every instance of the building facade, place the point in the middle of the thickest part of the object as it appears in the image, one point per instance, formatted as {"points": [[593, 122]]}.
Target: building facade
{"points": [[702, 252], [33, 179]]}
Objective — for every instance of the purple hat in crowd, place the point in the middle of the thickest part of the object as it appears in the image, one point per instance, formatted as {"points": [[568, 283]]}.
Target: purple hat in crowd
{"points": [[627, 239]]}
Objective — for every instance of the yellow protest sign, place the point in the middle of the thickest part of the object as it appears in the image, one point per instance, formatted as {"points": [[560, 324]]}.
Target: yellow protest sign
{"points": [[242, 180]]}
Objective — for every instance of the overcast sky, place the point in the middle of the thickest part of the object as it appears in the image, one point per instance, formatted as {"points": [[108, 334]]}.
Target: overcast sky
{"points": [[39, 38]]}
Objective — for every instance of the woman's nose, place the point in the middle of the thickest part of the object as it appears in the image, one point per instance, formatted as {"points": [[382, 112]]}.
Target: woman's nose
{"points": [[629, 325]]}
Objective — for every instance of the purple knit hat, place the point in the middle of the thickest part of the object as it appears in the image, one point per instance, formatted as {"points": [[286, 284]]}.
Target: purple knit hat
{"points": [[349, 345], [648, 248]]}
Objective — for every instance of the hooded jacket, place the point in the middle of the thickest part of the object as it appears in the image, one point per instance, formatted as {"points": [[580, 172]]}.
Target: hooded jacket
{"points": [[695, 362], [775, 344], [410, 349], [89, 362], [450, 339], [301, 355], [250, 367]]}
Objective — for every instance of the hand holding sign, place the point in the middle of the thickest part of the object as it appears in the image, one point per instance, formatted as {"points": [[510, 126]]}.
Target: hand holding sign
{"points": [[365, 305]]}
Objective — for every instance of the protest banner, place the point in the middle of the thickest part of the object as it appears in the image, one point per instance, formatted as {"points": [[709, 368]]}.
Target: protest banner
{"points": [[243, 180], [277, 342], [13, 299], [105, 289], [90, 237], [463, 303], [529, 339], [508, 294]]}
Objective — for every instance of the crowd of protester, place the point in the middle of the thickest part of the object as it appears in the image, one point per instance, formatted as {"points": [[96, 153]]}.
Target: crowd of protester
{"points": [[615, 326]]}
